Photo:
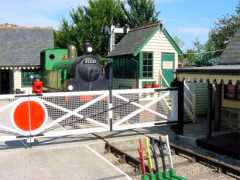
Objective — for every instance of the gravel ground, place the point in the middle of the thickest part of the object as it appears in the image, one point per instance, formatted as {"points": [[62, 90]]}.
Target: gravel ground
{"points": [[183, 165], [188, 143], [129, 170]]}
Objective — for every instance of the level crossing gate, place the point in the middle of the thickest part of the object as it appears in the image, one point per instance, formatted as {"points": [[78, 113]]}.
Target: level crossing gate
{"points": [[73, 113]]}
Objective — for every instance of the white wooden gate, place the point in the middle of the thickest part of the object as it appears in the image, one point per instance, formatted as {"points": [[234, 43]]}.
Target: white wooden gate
{"points": [[139, 108], [73, 113]]}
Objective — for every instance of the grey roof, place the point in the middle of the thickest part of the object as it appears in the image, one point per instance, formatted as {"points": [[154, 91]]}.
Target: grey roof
{"points": [[231, 55], [21, 46], [218, 69], [133, 39]]}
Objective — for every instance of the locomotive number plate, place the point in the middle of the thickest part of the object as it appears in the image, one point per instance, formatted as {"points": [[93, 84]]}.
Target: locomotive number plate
{"points": [[90, 61]]}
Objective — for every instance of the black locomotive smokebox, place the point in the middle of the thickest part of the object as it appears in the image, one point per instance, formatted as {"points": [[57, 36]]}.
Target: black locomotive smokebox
{"points": [[88, 69], [88, 74]]}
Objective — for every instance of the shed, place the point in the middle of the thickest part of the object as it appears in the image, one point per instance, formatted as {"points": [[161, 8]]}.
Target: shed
{"points": [[20, 49], [146, 55]]}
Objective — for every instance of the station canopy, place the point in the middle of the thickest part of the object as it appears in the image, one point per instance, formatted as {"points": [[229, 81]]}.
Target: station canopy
{"points": [[227, 70]]}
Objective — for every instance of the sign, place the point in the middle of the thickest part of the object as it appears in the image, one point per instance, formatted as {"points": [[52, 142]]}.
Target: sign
{"points": [[167, 65], [90, 61], [29, 116]]}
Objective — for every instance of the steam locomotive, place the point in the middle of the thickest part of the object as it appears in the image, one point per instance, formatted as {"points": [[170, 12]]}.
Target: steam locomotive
{"points": [[63, 70]]}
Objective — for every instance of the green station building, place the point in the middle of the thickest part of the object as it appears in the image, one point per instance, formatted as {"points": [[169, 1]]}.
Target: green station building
{"points": [[145, 57]]}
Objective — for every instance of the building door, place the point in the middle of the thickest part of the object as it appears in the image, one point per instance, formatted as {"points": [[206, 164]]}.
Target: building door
{"points": [[5, 81], [168, 66]]}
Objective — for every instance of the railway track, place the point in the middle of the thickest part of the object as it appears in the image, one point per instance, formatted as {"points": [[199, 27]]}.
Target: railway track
{"points": [[188, 163]]}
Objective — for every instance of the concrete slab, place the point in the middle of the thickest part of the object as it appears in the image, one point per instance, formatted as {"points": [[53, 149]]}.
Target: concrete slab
{"points": [[70, 162]]}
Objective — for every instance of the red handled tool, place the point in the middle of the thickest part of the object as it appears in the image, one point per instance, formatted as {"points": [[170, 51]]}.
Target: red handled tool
{"points": [[141, 156]]}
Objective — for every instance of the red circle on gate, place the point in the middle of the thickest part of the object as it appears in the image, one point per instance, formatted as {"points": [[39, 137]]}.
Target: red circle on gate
{"points": [[26, 111]]}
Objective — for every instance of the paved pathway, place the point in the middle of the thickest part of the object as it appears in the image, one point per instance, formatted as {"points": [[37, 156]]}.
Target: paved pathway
{"points": [[60, 163]]}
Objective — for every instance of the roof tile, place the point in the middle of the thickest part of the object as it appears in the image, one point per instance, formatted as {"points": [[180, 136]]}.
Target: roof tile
{"points": [[133, 39], [231, 55], [22, 46]]}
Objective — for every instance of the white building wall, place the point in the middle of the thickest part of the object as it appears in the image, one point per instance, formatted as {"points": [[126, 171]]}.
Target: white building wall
{"points": [[159, 44], [17, 79], [17, 82]]}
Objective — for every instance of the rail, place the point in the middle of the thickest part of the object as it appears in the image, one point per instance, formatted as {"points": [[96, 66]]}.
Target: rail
{"points": [[179, 150], [221, 166]]}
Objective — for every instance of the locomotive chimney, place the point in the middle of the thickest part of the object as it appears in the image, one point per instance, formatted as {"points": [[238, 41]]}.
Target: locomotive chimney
{"points": [[72, 51]]}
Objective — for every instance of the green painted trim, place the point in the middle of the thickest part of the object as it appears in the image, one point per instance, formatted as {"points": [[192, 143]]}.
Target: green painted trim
{"points": [[162, 60], [152, 64], [172, 41], [167, 35], [138, 49]]}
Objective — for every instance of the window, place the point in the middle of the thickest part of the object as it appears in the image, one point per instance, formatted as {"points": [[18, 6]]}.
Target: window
{"points": [[27, 77], [232, 91], [147, 65]]}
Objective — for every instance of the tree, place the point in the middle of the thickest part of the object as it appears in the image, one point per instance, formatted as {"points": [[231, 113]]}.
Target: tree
{"points": [[219, 37], [193, 56], [179, 41], [87, 23], [198, 55], [190, 57], [140, 12], [222, 33]]}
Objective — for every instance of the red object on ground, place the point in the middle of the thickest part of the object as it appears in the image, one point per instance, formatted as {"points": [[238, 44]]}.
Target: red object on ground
{"points": [[147, 86], [141, 156], [155, 85], [29, 115], [37, 87]]}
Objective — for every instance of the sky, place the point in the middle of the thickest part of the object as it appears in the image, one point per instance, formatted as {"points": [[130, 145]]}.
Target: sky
{"points": [[186, 19]]}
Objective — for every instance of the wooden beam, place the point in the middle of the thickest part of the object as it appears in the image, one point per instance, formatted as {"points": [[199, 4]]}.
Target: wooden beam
{"points": [[180, 86], [218, 107], [209, 117]]}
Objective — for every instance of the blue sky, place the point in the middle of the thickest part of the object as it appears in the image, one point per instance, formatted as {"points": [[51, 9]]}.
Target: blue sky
{"points": [[187, 19], [191, 19]]}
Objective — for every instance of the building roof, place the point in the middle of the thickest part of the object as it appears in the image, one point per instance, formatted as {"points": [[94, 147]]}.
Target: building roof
{"points": [[21, 46], [231, 54], [228, 68], [218, 69], [213, 74], [134, 40]]}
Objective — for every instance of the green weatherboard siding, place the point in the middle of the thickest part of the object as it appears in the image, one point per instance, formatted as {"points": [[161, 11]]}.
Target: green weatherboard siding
{"points": [[168, 63]]}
